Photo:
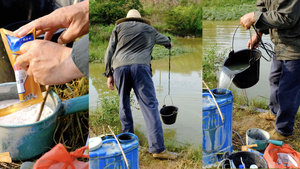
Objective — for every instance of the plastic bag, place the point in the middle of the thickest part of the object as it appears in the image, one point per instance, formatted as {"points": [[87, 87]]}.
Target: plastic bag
{"points": [[274, 155], [59, 157]]}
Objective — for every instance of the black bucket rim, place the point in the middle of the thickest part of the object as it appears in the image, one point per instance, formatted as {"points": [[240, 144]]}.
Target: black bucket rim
{"points": [[246, 153], [175, 111], [169, 118], [254, 63], [244, 50]]}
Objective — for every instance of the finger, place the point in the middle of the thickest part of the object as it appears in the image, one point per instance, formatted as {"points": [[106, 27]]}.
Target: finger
{"points": [[48, 35], [29, 72], [23, 62], [23, 59], [41, 25], [23, 30], [74, 31], [67, 36], [248, 44]]}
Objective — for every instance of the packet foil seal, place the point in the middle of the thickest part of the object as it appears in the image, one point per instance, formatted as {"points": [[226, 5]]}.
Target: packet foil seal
{"points": [[29, 91]]}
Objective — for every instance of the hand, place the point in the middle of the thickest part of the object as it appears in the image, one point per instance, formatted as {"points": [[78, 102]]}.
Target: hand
{"points": [[47, 62], [110, 82], [247, 20], [75, 18], [254, 41]]}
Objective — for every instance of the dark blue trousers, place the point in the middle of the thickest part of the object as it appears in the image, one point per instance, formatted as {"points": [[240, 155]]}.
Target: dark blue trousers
{"points": [[285, 94], [138, 78]]}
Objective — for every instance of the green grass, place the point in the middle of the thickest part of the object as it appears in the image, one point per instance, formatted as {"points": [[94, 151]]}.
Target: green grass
{"points": [[106, 114], [224, 3], [227, 9], [234, 12]]}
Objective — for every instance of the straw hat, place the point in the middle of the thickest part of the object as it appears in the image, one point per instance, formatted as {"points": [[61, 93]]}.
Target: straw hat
{"points": [[133, 15]]}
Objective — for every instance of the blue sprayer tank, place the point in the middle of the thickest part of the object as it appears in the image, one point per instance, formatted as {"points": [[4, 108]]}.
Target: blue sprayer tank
{"points": [[109, 155], [217, 135]]}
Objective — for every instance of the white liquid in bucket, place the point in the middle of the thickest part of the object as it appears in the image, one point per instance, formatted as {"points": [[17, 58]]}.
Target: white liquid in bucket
{"points": [[228, 73], [24, 116]]}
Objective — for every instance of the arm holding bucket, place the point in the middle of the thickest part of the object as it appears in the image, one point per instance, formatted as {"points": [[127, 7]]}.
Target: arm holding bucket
{"points": [[254, 41]]}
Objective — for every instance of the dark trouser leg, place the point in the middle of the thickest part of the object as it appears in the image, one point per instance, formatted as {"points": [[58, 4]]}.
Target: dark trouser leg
{"points": [[274, 77], [145, 93], [288, 95], [123, 83]]}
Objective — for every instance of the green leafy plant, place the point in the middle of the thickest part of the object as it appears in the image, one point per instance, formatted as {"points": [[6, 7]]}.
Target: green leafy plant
{"points": [[185, 20], [108, 11]]}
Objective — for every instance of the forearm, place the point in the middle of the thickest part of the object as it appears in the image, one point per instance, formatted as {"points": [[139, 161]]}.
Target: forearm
{"points": [[109, 53], [162, 40]]}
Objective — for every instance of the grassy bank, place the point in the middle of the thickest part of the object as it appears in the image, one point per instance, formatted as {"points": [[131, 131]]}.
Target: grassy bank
{"points": [[227, 9], [107, 114]]}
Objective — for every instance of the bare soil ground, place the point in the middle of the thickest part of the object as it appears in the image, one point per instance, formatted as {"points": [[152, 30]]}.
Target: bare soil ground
{"points": [[246, 119]]}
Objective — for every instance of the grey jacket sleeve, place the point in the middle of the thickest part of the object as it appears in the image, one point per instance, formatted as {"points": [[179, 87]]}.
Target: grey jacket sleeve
{"points": [[160, 39], [283, 14], [110, 52], [261, 7], [80, 55]]}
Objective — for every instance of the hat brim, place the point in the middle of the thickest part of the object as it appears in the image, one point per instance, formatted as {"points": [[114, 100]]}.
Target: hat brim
{"points": [[144, 20]]}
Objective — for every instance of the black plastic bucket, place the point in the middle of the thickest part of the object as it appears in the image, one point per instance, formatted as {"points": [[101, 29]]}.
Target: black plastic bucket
{"points": [[250, 75], [169, 114], [248, 158]]}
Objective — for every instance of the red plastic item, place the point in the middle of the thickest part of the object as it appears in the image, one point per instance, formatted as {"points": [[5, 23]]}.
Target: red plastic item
{"points": [[59, 158], [271, 156]]}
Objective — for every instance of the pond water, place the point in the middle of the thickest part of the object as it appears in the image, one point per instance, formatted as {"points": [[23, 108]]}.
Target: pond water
{"points": [[185, 91], [221, 33]]}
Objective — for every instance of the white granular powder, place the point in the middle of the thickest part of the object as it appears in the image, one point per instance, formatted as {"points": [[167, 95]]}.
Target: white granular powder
{"points": [[24, 116]]}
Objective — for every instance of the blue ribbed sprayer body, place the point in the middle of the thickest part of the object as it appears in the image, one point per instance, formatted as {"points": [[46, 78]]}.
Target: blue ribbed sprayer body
{"points": [[109, 155], [217, 135]]}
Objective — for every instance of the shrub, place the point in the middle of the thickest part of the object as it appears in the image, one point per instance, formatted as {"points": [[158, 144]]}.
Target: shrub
{"points": [[185, 20], [108, 11]]}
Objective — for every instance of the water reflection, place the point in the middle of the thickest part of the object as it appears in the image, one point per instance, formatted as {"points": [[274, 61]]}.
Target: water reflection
{"points": [[185, 91]]}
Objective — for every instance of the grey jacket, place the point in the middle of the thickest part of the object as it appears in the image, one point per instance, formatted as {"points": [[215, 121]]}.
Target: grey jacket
{"points": [[80, 55], [280, 18], [132, 42]]}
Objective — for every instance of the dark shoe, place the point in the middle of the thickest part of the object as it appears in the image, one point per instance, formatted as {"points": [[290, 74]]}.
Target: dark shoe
{"points": [[267, 116], [165, 155], [274, 135]]}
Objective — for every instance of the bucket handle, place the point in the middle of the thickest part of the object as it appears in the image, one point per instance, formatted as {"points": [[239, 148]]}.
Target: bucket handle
{"points": [[170, 98], [251, 58], [234, 36], [74, 105]]}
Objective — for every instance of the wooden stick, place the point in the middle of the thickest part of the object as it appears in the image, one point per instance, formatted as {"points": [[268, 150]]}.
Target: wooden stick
{"points": [[120, 147], [214, 101], [43, 103]]}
